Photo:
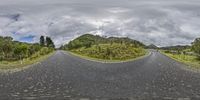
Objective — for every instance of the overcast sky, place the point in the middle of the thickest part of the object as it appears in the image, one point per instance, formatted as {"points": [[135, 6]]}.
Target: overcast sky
{"points": [[160, 22]]}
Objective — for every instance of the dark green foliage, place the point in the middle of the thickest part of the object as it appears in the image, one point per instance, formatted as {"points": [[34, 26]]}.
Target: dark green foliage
{"points": [[5, 47], [45, 50], [49, 42], [112, 48], [21, 50], [82, 41], [34, 48], [178, 50], [178, 47], [13, 50], [87, 40], [193, 50], [116, 51], [196, 47], [46, 42], [42, 41]]}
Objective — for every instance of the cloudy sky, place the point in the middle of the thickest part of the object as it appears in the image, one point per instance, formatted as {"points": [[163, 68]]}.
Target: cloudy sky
{"points": [[161, 22]]}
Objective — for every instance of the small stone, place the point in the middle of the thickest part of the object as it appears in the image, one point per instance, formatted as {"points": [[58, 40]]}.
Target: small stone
{"points": [[25, 90]]}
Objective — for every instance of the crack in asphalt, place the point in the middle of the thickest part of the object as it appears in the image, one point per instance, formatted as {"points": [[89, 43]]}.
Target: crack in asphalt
{"points": [[66, 77]]}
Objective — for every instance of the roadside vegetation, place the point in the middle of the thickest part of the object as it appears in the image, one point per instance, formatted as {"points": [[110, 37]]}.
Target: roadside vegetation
{"points": [[103, 48], [15, 54], [189, 55]]}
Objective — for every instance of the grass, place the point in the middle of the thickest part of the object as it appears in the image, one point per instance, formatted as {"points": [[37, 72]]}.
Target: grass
{"points": [[106, 61], [5, 65], [109, 53], [191, 61]]}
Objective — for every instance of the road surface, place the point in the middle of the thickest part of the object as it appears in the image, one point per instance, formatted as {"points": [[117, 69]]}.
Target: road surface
{"points": [[66, 77]]}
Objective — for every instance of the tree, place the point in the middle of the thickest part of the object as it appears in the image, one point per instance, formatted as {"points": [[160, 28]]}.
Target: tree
{"points": [[8, 38], [1, 44], [33, 49], [14, 50], [69, 45], [196, 47], [49, 42], [21, 50], [108, 51], [42, 41], [88, 44], [7, 46]]}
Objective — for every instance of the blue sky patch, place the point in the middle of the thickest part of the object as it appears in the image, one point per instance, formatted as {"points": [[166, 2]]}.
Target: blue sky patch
{"points": [[27, 38]]}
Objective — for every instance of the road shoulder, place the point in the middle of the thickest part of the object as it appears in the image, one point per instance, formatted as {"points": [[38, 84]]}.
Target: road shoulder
{"points": [[187, 65], [18, 67]]}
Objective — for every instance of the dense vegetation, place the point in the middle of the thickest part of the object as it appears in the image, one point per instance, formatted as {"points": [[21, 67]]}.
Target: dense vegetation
{"points": [[87, 40], [196, 47], [186, 54], [13, 50], [186, 50], [111, 48], [177, 47]]}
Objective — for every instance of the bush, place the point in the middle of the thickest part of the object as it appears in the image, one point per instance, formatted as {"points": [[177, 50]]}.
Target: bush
{"points": [[116, 51], [167, 51], [21, 50], [196, 47], [45, 51], [42, 51], [13, 50]]}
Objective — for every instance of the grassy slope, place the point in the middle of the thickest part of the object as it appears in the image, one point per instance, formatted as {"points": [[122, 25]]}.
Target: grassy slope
{"points": [[118, 52], [106, 61], [17, 64], [192, 61]]}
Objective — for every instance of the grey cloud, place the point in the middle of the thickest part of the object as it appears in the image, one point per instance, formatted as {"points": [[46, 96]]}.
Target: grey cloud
{"points": [[160, 22]]}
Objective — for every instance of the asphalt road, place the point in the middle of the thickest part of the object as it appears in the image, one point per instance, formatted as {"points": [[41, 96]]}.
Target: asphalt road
{"points": [[66, 77]]}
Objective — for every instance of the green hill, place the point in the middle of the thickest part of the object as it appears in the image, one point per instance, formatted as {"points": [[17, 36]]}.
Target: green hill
{"points": [[111, 48], [87, 40], [152, 46]]}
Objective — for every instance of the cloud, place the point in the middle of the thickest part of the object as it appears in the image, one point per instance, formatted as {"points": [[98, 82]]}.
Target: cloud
{"points": [[160, 22], [118, 10]]}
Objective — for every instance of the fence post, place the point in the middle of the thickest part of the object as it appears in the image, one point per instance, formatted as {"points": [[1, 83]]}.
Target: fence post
{"points": [[20, 59]]}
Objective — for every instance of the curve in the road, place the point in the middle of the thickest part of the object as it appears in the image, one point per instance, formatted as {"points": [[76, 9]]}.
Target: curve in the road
{"points": [[64, 76]]}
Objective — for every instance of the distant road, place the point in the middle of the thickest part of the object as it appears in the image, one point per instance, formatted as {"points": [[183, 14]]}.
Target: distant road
{"points": [[63, 76]]}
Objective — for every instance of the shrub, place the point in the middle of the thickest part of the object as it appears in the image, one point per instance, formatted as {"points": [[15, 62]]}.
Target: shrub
{"points": [[196, 47]]}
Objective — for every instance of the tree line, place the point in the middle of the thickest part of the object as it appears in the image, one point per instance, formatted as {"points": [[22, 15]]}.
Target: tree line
{"points": [[109, 48], [87, 40], [11, 50], [196, 47], [46, 42]]}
